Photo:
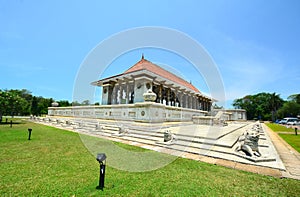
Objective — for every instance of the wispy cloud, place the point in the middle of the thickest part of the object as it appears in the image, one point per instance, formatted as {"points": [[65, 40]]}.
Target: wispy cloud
{"points": [[248, 67]]}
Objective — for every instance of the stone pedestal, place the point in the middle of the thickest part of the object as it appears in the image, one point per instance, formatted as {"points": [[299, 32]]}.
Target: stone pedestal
{"points": [[149, 96]]}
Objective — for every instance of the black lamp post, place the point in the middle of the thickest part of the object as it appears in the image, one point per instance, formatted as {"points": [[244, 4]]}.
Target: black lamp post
{"points": [[29, 133], [101, 157]]}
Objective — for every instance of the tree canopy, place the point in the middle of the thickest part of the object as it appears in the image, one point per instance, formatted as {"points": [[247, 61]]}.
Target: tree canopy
{"points": [[268, 106], [22, 102], [291, 108]]}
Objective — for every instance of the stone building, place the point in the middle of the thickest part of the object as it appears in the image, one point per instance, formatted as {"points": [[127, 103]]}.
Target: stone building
{"points": [[145, 93], [171, 90]]}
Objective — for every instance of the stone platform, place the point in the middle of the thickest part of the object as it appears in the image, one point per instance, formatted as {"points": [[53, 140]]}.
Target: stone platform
{"points": [[150, 112], [219, 143]]}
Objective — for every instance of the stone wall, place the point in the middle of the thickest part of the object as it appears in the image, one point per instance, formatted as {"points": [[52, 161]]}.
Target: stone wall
{"points": [[140, 112], [203, 120], [231, 114]]}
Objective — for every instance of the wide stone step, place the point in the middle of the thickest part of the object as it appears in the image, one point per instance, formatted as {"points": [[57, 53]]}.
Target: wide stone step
{"points": [[138, 140], [195, 139]]}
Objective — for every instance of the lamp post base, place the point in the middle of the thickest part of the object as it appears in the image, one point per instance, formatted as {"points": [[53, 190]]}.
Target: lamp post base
{"points": [[100, 188]]}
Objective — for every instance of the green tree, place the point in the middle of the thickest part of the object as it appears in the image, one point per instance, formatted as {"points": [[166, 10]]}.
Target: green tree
{"points": [[22, 102], [43, 104], [34, 106], [260, 106], [11, 103], [64, 103], [275, 103], [247, 104], [39, 105], [28, 97], [291, 108], [85, 102], [295, 98], [75, 103]]}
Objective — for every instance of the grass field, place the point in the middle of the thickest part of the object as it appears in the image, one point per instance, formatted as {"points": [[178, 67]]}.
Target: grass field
{"points": [[56, 163], [292, 139], [288, 134], [279, 128]]}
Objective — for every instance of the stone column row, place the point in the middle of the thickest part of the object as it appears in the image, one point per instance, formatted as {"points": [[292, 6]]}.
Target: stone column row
{"points": [[120, 91], [165, 95]]}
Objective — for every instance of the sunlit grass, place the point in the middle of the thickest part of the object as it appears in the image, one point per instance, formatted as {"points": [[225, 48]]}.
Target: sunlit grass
{"points": [[56, 163], [287, 134], [279, 128], [293, 140]]}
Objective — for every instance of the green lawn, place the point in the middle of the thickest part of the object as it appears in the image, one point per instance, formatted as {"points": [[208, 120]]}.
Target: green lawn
{"points": [[56, 163], [287, 134], [292, 139], [279, 128]]}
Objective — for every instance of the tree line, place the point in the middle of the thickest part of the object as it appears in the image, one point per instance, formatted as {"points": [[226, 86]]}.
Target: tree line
{"points": [[261, 106], [23, 103], [269, 106]]}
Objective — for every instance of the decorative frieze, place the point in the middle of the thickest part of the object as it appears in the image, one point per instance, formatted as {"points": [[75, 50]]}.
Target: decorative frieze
{"points": [[140, 112]]}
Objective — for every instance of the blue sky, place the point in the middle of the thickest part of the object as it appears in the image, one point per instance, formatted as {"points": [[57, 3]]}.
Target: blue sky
{"points": [[255, 44]]}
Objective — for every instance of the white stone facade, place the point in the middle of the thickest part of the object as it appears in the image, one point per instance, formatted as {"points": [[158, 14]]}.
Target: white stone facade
{"points": [[148, 93], [139, 112], [231, 114]]}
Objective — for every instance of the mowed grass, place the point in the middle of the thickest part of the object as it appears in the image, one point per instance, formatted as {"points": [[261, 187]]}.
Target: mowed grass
{"points": [[293, 140], [287, 134], [56, 163], [279, 128]]}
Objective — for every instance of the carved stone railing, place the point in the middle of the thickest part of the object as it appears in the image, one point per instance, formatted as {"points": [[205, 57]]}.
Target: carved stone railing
{"points": [[141, 112]]}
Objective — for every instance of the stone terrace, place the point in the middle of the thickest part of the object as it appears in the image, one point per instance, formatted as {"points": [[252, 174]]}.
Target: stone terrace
{"points": [[199, 142]]}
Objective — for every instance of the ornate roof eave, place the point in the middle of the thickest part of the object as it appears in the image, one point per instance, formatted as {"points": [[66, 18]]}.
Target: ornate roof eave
{"points": [[156, 79], [132, 75]]}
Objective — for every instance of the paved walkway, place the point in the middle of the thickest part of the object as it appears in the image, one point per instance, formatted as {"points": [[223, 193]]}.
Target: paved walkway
{"points": [[289, 156]]}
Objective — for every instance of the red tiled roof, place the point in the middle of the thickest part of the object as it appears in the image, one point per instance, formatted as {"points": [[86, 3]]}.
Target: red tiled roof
{"points": [[144, 64]]}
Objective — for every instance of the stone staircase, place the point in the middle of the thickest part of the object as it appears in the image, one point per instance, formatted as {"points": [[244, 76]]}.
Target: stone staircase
{"points": [[212, 141]]}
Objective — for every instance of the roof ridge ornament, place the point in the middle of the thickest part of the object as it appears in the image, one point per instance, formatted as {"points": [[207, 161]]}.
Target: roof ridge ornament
{"points": [[143, 56]]}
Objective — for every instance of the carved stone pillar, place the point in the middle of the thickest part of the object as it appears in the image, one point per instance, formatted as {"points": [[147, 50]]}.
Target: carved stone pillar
{"points": [[193, 102], [114, 95], [120, 93], [107, 94], [196, 103], [175, 97], [127, 92], [200, 104], [180, 99], [168, 97], [186, 101], [160, 94]]}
